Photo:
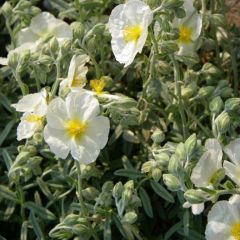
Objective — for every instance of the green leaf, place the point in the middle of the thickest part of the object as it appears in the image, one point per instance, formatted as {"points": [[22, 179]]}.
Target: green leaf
{"points": [[5, 102], [7, 158], [6, 193], [146, 202], [172, 230], [36, 226], [161, 191], [24, 230], [117, 133], [130, 173], [40, 211], [6, 131]]}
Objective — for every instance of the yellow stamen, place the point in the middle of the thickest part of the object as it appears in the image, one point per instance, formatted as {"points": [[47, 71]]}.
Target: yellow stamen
{"points": [[235, 231], [132, 33], [76, 128], [98, 85], [78, 81], [33, 118], [185, 34]]}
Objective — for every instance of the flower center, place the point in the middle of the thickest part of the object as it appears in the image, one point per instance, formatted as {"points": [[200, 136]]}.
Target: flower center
{"points": [[235, 231], [76, 128], [33, 118], [185, 34], [132, 33], [98, 85], [78, 81]]}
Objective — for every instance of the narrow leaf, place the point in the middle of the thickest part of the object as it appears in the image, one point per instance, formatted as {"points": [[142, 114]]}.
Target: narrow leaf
{"points": [[146, 202], [40, 211], [6, 193], [161, 191], [130, 173]]}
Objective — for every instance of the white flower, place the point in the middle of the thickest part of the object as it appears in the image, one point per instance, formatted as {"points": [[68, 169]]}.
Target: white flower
{"points": [[224, 220], [128, 25], [232, 169], [34, 107], [196, 208], [74, 125], [44, 25], [190, 28], [208, 164], [41, 26], [77, 72]]}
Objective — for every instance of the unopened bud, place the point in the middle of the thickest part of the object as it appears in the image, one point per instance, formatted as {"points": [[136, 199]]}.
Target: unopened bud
{"points": [[171, 182], [130, 217], [232, 104], [195, 196], [206, 91], [156, 174], [107, 186], [78, 30], [216, 105], [158, 136], [90, 193], [54, 45], [223, 122], [6, 9], [117, 190]]}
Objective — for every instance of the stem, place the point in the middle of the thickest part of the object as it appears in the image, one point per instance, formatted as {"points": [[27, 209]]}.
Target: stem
{"points": [[22, 200], [56, 83], [19, 81], [79, 189], [179, 95], [10, 33]]}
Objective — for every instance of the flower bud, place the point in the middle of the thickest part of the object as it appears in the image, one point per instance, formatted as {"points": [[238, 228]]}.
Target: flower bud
{"points": [[162, 158], [31, 149], [158, 136], [232, 104], [54, 45], [6, 9], [45, 60], [210, 69], [218, 20], [107, 186], [147, 166], [129, 185], [90, 193], [117, 190], [215, 105], [195, 196], [175, 166], [13, 60], [127, 195], [78, 30], [156, 174], [171, 182], [206, 91], [223, 122], [130, 217], [190, 144]]}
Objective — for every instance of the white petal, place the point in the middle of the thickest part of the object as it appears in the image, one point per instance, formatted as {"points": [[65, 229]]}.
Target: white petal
{"points": [[98, 130], [57, 113], [82, 105], [233, 151], [26, 129], [3, 61], [218, 231], [77, 67], [41, 24], [197, 208], [85, 151], [232, 171], [134, 12], [28, 102], [57, 141], [26, 35]]}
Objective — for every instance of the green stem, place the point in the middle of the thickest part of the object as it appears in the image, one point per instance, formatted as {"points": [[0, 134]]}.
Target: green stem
{"points": [[10, 33], [22, 200], [57, 81], [19, 81], [79, 189], [177, 79]]}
